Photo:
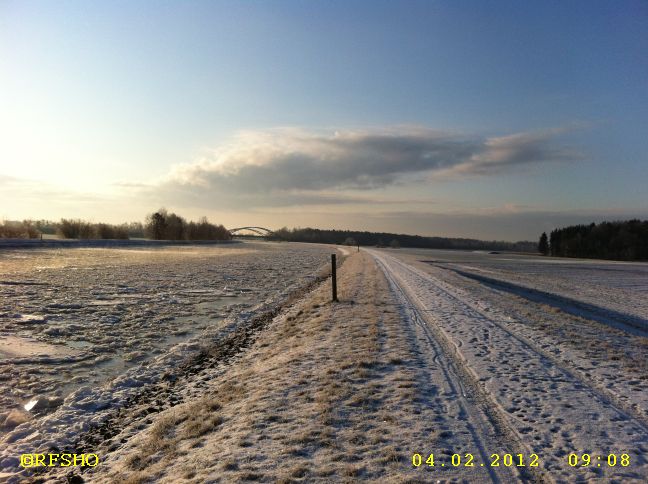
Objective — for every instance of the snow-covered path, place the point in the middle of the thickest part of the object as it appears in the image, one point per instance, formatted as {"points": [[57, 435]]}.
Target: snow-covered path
{"points": [[512, 394]]}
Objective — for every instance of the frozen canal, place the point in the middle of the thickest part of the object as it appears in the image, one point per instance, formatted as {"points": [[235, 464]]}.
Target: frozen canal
{"points": [[73, 320]]}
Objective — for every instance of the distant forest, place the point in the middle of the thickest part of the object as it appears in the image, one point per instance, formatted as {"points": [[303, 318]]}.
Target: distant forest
{"points": [[160, 225], [163, 225], [351, 237], [608, 240], [621, 240]]}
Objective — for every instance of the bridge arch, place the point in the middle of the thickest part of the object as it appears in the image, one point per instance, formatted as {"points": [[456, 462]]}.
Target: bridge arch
{"points": [[262, 231]]}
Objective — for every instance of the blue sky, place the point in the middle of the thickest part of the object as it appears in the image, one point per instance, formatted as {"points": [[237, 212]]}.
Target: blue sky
{"points": [[489, 119]]}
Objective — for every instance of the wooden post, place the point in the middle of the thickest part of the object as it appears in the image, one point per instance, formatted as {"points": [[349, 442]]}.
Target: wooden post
{"points": [[334, 278]]}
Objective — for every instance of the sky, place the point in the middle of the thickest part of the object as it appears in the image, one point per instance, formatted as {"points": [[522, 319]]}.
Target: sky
{"points": [[484, 119]]}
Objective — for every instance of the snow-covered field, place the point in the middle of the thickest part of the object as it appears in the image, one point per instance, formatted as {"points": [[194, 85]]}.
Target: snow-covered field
{"points": [[549, 381], [83, 329], [620, 288], [462, 355]]}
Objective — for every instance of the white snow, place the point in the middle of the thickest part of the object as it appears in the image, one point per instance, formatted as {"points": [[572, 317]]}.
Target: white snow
{"points": [[552, 406]]}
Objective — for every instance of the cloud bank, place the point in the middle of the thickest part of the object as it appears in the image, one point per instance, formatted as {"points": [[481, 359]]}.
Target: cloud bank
{"points": [[284, 166]]}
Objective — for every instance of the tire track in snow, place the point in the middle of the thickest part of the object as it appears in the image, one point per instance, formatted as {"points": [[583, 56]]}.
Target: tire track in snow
{"points": [[485, 427]]}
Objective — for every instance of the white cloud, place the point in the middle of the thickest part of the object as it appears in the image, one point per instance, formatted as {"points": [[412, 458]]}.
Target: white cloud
{"points": [[517, 149], [283, 166]]}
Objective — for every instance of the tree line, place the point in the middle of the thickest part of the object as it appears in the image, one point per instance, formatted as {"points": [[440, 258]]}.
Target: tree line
{"points": [[621, 240], [19, 230], [160, 225], [163, 225], [396, 240]]}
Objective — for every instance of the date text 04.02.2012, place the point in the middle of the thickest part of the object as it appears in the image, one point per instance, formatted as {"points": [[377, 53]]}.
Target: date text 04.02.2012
{"points": [[468, 460]]}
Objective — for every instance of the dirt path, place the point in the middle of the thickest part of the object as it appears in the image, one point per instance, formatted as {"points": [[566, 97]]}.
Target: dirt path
{"points": [[535, 400]]}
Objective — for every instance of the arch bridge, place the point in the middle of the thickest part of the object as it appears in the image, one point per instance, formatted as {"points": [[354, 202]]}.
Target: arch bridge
{"points": [[261, 231]]}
